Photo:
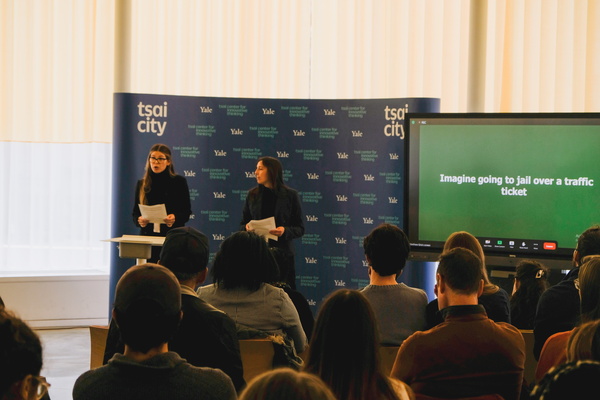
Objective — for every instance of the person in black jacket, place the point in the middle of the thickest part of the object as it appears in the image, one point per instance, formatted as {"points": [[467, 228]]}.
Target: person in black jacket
{"points": [[273, 198], [161, 185], [206, 336]]}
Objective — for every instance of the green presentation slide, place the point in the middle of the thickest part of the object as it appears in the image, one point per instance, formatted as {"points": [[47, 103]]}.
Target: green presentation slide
{"points": [[511, 181]]}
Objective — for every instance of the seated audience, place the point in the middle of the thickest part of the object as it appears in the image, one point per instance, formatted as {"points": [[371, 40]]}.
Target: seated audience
{"points": [[558, 308], [20, 360], [147, 309], [494, 299], [468, 354], [206, 336], [399, 309], [288, 384], [531, 280], [284, 260], [344, 351], [574, 380], [554, 351], [241, 269], [584, 342]]}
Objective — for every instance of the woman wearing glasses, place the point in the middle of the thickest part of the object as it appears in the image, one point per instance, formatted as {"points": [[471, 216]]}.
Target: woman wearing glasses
{"points": [[161, 185]]}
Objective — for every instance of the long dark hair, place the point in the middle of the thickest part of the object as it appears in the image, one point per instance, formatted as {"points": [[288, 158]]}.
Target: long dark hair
{"points": [[244, 261], [344, 349], [275, 172], [146, 186], [533, 281]]}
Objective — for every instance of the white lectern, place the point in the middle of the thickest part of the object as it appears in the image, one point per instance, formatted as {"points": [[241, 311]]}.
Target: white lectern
{"points": [[137, 246]]}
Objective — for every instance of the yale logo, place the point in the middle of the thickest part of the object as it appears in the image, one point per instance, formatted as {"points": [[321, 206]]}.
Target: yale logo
{"points": [[367, 221], [365, 263], [218, 236], [342, 156], [312, 218], [394, 156], [298, 132], [249, 174], [205, 110], [339, 240], [369, 178], [341, 197], [392, 200], [339, 282], [357, 134], [310, 260], [329, 111], [189, 174], [219, 195], [192, 216], [283, 154], [220, 153], [311, 302], [312, 175], [237, 131], [268, 111]]}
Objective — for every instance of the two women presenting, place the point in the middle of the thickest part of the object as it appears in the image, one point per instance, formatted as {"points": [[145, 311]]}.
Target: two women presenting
{"points": [[161, 185], [273, 198]]}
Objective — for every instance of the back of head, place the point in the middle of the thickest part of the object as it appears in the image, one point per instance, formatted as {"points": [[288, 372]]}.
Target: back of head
{"points": [[244, 261], [461, 270], [387, 248], [589, 288], [289, 384], [573, 380], [588, 243], [147, 306], [344, 346], [20, 351], [532, 277], [584, 342], [185, 252], [284, 259]]}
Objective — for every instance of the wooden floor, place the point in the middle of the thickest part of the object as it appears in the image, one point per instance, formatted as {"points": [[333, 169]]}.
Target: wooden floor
{"points": [[66, 355]]}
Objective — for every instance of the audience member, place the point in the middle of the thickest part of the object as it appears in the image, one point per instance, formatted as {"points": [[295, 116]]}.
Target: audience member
{"points": [[20, 360], [468, 354], [584, 342], [559, 307], [241, 269], [494, 299], [284, 261], [344, 351], [554, 351], [574, 380], [206, 336], [288, 384], [531, 280], [399, 309], [147, 309]]}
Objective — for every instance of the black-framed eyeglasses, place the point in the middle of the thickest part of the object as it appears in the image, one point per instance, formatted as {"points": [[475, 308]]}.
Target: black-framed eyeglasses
{"points": [[39, 387], [158, 160]]}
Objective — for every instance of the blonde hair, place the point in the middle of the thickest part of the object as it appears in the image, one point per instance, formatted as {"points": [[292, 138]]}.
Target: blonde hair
{"points": [[286, 383], [466, 240], [584, 342]]}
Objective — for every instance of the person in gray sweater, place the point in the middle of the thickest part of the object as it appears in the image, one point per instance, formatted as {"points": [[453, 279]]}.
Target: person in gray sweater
{"points": [[399, 309], [147, 309]]}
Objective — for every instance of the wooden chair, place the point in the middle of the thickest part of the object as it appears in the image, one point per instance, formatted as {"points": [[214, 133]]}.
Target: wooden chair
{"points": [[257, 357], [98, 334], [530, 361], [387, 355]]}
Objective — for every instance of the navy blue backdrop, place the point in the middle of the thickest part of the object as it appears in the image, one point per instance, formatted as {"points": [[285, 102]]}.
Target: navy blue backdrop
{"points": [[345, 158]]}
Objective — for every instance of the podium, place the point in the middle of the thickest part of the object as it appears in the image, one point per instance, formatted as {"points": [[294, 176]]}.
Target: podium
{"points": [[137, 246]]}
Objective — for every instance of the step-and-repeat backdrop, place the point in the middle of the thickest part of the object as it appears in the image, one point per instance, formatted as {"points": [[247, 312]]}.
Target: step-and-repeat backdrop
{"points": [[344, 157]]}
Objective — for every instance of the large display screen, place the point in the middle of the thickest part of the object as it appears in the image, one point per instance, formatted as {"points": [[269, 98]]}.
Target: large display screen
{"points": [[526, 185]]}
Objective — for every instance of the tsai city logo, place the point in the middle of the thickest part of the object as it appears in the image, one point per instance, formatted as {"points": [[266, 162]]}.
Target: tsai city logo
{"points": [[152, 115], [395, 118]]}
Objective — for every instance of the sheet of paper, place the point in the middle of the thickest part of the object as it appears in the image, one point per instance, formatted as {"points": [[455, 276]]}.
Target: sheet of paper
{"points": [[156, 214], [263, 226]]}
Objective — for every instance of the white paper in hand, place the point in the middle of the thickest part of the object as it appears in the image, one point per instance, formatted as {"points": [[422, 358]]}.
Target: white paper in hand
{"points": [[262, 227]]}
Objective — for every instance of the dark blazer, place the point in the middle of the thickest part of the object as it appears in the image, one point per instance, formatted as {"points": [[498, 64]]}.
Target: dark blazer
{"points": [[288, 213], [206, 337]]}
